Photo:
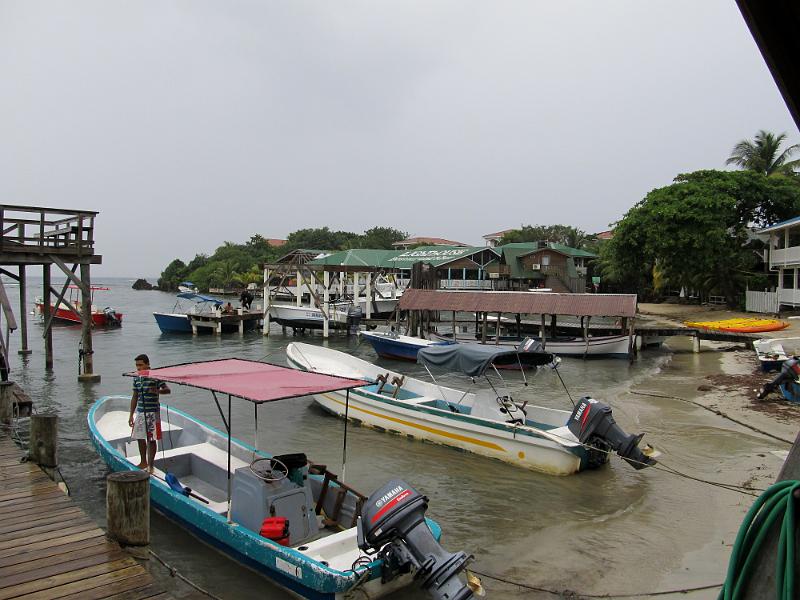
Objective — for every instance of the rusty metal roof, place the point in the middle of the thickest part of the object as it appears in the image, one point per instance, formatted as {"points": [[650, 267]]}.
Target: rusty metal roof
{"points": [[526, 303]]}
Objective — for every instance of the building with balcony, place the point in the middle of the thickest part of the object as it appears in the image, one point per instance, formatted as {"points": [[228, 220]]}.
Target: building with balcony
{"points": [[784, 259]]}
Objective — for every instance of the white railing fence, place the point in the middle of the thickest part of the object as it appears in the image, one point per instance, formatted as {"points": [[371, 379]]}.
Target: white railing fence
{"points": [[761, 302]]}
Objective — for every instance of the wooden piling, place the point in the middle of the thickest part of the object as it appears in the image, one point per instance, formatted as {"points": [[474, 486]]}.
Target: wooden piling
{"points": [[88, 374], [6, 403], [128, 507], [44, 440], [23, 312], [48, 333]]}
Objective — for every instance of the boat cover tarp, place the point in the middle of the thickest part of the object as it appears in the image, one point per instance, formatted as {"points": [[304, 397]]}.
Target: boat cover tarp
{"points": [[252, 380], [470, 359], [199, 297]]}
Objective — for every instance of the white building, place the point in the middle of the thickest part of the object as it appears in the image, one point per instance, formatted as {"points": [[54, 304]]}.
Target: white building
{"points": [[784, 257]]}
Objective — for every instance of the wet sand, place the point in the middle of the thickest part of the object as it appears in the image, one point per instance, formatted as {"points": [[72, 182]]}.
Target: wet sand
{"points": [[674, 533]]}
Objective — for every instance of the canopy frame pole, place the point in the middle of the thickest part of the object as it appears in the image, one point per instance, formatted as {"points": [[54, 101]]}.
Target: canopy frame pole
{"points": [[229, 460], [344, 443], [441, 391], [255, 411], [221, 414]]}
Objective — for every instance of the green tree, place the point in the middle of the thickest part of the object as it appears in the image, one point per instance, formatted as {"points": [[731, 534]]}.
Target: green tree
{"points": [[380, 238], [693, 233], [319, 239], [561, 234], [171, 276], [763, 155]]}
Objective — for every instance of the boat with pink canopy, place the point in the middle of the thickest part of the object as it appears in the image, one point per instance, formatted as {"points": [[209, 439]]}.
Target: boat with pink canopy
{"points": [[288, 518]]}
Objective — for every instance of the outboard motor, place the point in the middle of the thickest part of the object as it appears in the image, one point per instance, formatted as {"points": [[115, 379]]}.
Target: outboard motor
{"points": [[354, 315], [790, 371], [111, 316], [591, 422], [392, 524]]}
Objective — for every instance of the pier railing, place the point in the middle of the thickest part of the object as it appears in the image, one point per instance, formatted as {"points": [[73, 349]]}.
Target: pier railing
{"points": [[46, 230]]}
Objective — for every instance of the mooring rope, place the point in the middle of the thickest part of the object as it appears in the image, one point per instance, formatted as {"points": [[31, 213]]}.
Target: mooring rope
{"points": [[716, 412], [174, 573]]}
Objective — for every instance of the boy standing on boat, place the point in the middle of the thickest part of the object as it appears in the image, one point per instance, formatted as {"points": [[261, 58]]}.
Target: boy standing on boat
{"points": [[145, 406]]}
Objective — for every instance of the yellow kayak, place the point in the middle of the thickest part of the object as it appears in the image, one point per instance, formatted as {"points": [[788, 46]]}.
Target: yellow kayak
{"points": [[741, 325]]}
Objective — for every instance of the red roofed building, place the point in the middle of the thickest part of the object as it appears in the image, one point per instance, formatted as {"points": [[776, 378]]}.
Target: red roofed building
{"points": [[493, 239], [426, 241], [275, 243]]}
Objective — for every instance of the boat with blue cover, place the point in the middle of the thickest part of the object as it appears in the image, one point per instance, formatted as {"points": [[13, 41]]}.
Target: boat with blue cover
{"points": [[289, 519], [389, 344], [179, 321], [489, 422]]}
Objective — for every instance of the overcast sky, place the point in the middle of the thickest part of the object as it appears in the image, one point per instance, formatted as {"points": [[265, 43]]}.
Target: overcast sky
{"points": [[188, 123]]}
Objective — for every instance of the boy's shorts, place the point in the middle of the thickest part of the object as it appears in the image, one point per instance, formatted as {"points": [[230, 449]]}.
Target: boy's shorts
{"points": [[147, 426]]}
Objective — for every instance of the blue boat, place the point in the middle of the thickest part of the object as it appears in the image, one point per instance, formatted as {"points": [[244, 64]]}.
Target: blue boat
{"points": [[233, 496], [178, 320], [388, 344]]}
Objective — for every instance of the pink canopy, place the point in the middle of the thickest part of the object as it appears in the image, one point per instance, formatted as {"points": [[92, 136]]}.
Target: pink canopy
{"points": [[252, 380]]}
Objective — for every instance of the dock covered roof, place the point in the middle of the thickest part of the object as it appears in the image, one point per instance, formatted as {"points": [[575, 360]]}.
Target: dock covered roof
{"points": [[526, 303], [365, 258], [436, 255]]}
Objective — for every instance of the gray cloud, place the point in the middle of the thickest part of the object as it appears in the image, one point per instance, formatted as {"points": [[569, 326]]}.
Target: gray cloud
{"points": [[187, 123]]}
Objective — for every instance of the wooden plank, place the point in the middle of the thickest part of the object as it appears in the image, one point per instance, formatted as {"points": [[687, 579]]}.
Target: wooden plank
{"points": [[59, 588], [30, 576], [67, 515], [54, 549], [125, 589], [31, 506], [46, 528], [37, 512], [15, 483], [37, 489], [80, 533], [33, 566], [77, 577]]}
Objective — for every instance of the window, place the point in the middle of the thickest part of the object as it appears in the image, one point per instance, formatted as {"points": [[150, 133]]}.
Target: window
{"points": [[794, 237], [788, 279], [545, 260]]}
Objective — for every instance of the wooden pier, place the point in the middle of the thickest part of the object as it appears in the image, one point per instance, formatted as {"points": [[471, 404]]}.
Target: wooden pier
{"points": [[218, 322], [50, 548]]}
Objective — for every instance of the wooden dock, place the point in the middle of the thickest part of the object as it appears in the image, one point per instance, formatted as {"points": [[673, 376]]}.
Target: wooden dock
{"points": [[224, 322], [50, 549]]}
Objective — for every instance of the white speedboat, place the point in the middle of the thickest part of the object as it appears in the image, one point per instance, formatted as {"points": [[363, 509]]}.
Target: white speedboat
{"points": [[773, 352], [485, 422], [294, 522]]}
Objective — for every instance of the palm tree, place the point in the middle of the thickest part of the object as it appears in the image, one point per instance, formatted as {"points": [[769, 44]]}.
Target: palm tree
{"points": [[762, 154]]}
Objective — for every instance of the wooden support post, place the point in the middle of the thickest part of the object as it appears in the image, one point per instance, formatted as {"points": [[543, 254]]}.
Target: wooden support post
{"points": [[267, 302], [44, 440], [497, 331], [86, 328], [543, 333], [586, 337], [369, 296], [48, 333], [762, 579], [485, 325], [23, 312], [128, 507], [299, 289], [518, 318], [553, 325], [696, 343], [240, 312], [326, 301], [455, 331]]}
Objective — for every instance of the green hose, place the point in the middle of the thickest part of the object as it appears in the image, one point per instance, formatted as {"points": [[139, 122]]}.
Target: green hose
{"points": [[777, 503]]}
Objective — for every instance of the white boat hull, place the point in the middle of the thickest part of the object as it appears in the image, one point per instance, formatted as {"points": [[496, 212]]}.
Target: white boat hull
{"points": [[543, 444]]}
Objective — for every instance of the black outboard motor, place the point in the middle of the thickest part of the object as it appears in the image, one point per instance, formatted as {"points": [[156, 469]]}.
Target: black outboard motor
{"points": [[392, 523], [354, 316], [790, 371], [591, 422], [111, 317]]}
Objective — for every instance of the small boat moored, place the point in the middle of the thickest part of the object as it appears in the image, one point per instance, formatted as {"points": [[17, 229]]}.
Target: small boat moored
{"points": [[293, 521], [389, 344], [70, 310], [773, 352], [486, 422]]}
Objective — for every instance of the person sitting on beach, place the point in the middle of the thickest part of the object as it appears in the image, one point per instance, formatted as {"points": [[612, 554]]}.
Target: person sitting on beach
{"points": [[146, 426]]}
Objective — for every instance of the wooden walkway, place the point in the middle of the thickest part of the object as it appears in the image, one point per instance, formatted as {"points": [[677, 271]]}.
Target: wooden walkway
{"points": [[50, 548]]}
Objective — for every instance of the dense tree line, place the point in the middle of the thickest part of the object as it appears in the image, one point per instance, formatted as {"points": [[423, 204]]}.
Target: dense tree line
{"points": [[234, 265]]}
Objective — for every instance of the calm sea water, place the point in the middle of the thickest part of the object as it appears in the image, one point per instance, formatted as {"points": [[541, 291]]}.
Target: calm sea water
{"points": [[586, 532]]}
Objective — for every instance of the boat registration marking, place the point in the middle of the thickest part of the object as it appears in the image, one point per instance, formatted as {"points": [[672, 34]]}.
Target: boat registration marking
{"points": [[289, 568], [441, 432]]}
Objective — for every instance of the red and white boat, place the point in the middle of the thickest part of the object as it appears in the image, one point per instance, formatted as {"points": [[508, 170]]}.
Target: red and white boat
{"points": [[101, 317]]}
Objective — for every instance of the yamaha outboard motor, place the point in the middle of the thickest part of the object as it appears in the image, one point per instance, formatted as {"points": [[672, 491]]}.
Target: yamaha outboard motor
{"points": [[392, 523], [591, 422], [790, 371]]}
